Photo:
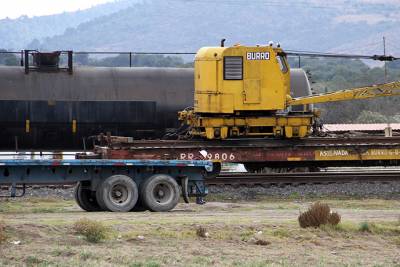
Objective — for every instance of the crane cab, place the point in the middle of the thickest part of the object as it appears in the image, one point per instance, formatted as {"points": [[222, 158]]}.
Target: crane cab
{"points": [[242, 91], [240, 79]]}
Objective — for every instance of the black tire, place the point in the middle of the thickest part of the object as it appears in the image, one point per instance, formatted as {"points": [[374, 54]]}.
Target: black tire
{"points": [[117, 193], [160, 193], [86, 199], [139, 206]]}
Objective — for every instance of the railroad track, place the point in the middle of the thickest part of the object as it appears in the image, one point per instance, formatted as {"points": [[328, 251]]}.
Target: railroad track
{"points": [[263, 179], [281, 179]]}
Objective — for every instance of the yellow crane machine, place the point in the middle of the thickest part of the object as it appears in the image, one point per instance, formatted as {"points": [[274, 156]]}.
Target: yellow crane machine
{"points": [[244, 91]]}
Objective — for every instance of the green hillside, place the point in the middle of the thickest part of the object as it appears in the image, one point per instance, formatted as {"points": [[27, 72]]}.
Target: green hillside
{"points": [[18, 33], [183, 25]]}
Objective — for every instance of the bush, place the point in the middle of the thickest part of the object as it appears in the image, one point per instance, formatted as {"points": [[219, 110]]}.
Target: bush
{"points": [[365, 227], [318, 214], [201, 232], [334, 218], [93, 231]]}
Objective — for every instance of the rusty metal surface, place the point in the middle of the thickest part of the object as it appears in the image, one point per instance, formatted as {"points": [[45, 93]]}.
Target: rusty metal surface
{"points": [[356, 151]]}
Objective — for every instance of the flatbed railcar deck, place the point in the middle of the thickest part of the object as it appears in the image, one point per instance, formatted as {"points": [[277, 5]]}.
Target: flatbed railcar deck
{"points": [[257, 153], [114, 185]]}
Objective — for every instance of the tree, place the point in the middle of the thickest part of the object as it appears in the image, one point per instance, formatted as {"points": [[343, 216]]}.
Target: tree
{"points": [[7, 58]]}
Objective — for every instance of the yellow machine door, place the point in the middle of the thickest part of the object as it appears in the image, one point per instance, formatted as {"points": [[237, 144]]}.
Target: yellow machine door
{"points": [[252, 91]]}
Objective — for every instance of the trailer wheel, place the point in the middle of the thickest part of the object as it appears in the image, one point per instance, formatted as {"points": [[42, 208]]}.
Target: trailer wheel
{"points": [[117, 193], [86, 199], [139, 206], [160, 193]]}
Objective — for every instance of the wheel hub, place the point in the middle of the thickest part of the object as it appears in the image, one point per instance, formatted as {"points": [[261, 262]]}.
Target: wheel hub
{"points": [[162, 193], [119, 194]]}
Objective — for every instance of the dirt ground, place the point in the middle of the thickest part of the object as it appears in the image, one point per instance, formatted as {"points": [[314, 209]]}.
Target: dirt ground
{"points": [[40, 232]]}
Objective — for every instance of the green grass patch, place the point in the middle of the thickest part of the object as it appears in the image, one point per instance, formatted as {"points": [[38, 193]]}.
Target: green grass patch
{"points": [[383, 228], [281, 233], [36, 205], [32, 261]]}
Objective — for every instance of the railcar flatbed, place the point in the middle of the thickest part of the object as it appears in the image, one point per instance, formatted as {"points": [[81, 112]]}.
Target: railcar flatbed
{"points": [[114, 185], [256, 153]]}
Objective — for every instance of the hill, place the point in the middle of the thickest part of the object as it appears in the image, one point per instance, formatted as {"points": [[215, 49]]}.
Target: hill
{"points": [[186, 25], [16, 34]]}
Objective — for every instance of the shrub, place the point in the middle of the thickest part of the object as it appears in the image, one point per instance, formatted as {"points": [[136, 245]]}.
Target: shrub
{"points": [[93, 231], [318, 214], [201, 232], [365, 227], [334, 218], [259, 241]]}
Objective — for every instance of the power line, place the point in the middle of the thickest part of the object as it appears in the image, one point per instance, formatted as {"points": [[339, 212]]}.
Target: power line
{"points": [[302, 53]]}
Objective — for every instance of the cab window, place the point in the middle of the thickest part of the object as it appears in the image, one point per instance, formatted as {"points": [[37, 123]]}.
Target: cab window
{"points": [[282, 63]]}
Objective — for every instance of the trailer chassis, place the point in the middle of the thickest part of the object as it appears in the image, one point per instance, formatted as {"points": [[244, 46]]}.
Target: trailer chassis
{"points": [[114, 185]]}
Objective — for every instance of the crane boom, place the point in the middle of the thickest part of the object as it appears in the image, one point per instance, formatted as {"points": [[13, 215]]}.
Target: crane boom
{"points": [[378, 90]]}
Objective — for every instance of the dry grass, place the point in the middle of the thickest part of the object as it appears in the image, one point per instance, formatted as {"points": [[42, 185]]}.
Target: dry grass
{"points": [[3, 236], [262, 242], [201, 232], [238, 236], [334, 218], [318, 214], [93, 231]]}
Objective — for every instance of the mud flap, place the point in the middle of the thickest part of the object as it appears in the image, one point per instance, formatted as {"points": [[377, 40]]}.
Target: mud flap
{"points": [[184, 184]]}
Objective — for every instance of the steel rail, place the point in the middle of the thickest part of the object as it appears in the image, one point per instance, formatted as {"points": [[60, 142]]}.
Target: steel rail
{"points": [[303, 178], [275, 179]]}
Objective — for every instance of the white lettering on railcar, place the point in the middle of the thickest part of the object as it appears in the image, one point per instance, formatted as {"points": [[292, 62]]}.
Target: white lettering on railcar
{"points": [[257, 56], [186, 156], [208, 156]]}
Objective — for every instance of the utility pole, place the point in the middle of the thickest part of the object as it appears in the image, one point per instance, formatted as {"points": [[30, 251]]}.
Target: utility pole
{"points": [[384, 53]]}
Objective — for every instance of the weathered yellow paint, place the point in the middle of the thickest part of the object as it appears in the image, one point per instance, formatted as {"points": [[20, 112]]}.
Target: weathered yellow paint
{"points": [[27, 126], [251, 126], [73, 126], [250, 104], [224, 132], [379, 90], [346, 154], [264, 85], [294, 159]]}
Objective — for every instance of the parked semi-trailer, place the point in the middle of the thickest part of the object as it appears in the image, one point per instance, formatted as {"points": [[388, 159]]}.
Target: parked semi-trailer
{"points": [[114, 185]]}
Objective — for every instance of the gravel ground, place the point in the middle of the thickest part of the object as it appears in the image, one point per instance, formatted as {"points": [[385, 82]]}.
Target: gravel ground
{"points": [[354, 189], [36, 191], [357, 189]]}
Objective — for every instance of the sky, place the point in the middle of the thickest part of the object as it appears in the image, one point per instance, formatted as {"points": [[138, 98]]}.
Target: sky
{"points": [[16, 8]]}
